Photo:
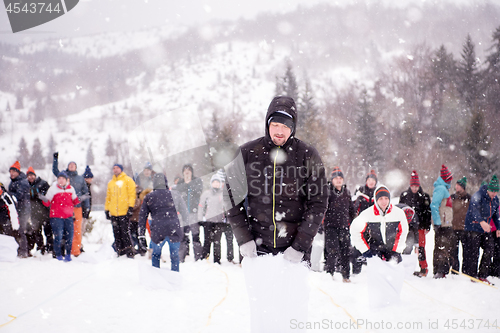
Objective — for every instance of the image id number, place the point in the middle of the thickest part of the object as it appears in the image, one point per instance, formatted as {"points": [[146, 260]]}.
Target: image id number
{"points": [[32, 8]]}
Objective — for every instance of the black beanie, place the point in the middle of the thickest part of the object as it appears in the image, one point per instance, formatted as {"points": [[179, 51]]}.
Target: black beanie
{"points": [[282, 110], [382, 191]]}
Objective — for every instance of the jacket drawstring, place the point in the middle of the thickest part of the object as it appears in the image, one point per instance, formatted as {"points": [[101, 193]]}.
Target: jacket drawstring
{"points": [[274, 195]]}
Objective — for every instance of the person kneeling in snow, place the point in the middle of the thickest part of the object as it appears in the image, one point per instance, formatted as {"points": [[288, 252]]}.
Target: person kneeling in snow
{"points": [[62, 198], [381, 229], [164, 222]]}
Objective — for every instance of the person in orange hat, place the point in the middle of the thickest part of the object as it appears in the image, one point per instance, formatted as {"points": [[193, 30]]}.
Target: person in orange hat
{"points": [[20, 189], [39, 214]]}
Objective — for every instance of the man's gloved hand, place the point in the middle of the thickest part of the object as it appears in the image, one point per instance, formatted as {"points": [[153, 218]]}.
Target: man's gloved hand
{"points": [[366, 254], [130, 212], [394, 256], [249, 249], [56, 155], [108, 217], [321, 229], [293, 255]]}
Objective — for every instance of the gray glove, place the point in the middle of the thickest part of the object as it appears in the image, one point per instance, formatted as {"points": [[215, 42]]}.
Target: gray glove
{"points": [[249, 249], [293, 255]]}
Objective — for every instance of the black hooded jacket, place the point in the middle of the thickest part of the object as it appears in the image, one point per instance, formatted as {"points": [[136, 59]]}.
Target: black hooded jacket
{"points": [[340, 212], [39, 212], [290, 214], [420, 202], [160, 203]]}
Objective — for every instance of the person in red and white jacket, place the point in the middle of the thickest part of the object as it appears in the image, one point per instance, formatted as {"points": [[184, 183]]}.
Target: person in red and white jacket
{"points": [[381, 229], [61, 197]]}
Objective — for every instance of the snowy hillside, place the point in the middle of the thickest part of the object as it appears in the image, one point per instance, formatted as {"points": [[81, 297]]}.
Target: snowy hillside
{"points": [[95, 90]]}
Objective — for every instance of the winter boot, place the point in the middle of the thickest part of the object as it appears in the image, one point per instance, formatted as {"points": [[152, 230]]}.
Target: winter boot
{"points": [[422, 273], [346, 280], [439, 276], [60, 258], [67, 258]]}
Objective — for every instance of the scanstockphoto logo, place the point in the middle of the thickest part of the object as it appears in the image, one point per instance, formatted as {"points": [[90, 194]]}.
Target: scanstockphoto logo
{"points": [[26, 14]]}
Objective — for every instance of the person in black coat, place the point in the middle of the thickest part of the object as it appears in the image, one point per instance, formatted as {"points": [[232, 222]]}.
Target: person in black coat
{"points": [[191, 188], [39, 214], [283, 181], [19, 188], [163, 204], [9, 222], [338, 218], [416, 198], [363, 198]]}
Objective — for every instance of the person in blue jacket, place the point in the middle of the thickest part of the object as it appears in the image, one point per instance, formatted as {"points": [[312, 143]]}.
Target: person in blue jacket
{"points": [[163, 205], [442, 216], [483, 210]]}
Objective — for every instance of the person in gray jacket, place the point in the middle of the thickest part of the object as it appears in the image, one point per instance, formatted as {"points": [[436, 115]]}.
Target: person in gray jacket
{"points": [[212, 212]]}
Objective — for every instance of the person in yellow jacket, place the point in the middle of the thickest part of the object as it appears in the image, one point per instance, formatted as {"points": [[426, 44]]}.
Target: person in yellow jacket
{"points": [[120, 200]]}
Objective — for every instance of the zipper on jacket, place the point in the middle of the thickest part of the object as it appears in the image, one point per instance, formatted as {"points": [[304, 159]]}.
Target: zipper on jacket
{"points": [[274, 195]]}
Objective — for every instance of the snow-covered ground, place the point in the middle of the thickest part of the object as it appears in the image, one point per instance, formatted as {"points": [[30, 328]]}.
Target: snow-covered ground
{"points": [[98, 292]]}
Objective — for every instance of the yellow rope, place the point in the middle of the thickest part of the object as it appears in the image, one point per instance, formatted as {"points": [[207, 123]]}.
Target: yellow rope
{"points": [[10, 321], [339, 306], [222, 300]]}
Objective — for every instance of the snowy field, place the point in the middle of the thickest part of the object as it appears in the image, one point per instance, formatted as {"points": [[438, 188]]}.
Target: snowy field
{"points": [[97, 292]]}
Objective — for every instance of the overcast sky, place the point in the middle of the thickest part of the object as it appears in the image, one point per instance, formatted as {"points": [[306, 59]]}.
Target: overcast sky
{"points": [[97, 16]]}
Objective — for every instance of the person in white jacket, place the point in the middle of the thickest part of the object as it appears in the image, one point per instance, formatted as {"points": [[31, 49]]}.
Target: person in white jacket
{"points": [[381, 229]]}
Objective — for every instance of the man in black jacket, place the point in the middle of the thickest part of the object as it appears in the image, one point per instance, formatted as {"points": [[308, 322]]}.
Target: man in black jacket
{"points": [[277, 196], [416, 198], [39, 214], [20, 189], [338, 218]]}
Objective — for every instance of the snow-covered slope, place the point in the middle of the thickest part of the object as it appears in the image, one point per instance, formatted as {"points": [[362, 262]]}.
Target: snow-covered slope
{"points": [[97, 292]]}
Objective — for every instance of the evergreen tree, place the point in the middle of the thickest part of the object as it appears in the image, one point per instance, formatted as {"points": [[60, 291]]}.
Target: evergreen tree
{"points": [[37, 159], [491, 75], [468, 76], [310, 128], [110, 148], [90, 155], [442, 74], [482, 160], [19, 101], [38, 113], [23, 155], [52, 149], [287, 85], [368, 146], [2, 130]]}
